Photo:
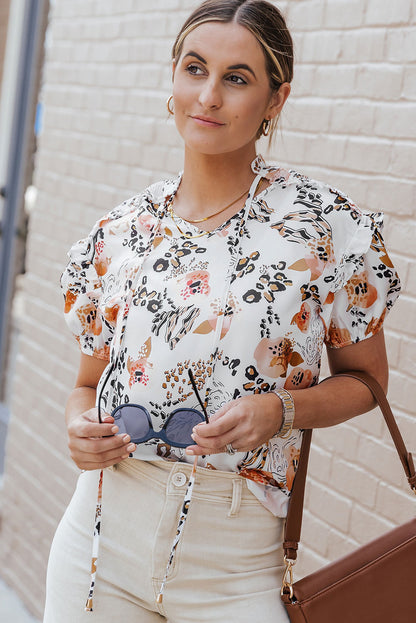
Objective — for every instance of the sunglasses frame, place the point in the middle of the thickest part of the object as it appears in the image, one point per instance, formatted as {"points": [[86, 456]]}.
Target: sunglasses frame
{"points": [[161, 434], [152, 434]]}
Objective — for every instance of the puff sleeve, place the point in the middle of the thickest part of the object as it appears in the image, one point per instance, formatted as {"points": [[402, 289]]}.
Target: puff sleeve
{"points": [[81, 283], [365, 287]]}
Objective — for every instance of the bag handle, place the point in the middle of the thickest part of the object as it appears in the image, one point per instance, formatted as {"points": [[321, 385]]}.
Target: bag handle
{"points": [[295, 510]]}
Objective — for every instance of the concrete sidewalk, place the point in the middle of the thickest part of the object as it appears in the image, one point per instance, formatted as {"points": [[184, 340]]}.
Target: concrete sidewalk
{"points": [[11, 608]]}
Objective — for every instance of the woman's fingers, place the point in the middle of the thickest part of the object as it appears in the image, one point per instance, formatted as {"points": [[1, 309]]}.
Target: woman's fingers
{"points": [[97, 456], [246, 424], [90, 465], [95, 446], [99, 445], [219, 425], [215, 439]]}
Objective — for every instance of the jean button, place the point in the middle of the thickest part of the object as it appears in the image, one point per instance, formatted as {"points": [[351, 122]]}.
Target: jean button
{"points": [[179, 479]]}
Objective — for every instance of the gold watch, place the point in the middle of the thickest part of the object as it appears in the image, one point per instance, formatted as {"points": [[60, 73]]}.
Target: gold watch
{"points": [[288, 412]]}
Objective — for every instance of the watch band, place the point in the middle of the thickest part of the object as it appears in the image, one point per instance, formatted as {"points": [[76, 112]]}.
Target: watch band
{"points": [[288, 412]]}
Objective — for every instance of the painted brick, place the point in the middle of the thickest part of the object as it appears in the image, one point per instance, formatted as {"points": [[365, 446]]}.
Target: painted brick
{"points": [[320, 462], [341, 440], [138, 179], [335, 81], [366, 525], [349, 14], [350, 117], [293, 149], [379, 81], [367, 154], [304, 82], [409, 82], [305, 15], [329, 149], [403, 159], [401, 45], [150, 76], [338, 544], [329, 506], [310, 113], [315, 532], [396, 122], [320, 47], [403, 393], [363, 45], [173, 162], [401, 237], [167, 134], [406, 424], [354, 482], [140, 102], [371, 423], [393, 346], [410, 283], [387, 12], [379, 458], [395, 196]]}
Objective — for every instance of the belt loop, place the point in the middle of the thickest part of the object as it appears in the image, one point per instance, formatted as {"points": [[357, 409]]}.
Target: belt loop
{"points": [[236, 500]]}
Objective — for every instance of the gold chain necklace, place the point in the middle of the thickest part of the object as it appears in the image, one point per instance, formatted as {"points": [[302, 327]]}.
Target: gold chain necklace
{"points": [[174, 216], [184, 234]]}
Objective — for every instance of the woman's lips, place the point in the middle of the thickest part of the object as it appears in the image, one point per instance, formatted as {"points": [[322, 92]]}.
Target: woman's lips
{"points": [[207, 121]]}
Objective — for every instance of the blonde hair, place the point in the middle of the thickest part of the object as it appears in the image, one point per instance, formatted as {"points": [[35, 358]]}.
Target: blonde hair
{"points": [[264, 21]]}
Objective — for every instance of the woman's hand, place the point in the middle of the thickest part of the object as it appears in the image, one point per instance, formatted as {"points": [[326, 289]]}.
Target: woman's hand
{"points": [[251, 421], [93, 445], [245, 423]]}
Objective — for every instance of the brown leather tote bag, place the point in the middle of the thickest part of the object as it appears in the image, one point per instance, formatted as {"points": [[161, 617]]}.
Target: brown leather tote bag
{"points": [[374, 584]]}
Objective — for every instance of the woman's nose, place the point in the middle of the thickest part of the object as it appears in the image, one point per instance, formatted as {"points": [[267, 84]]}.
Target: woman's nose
{"points": [[210, 95]]}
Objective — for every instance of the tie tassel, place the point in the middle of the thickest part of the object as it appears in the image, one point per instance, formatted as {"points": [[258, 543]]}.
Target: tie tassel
{"points": [[95, 545]]}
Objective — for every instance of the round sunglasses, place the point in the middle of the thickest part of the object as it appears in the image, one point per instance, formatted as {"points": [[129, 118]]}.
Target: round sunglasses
{"points": [[135, 420]]}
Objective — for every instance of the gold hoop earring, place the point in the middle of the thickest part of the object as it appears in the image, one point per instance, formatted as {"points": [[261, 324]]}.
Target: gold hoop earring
{"points": [[265, 127], [168, 103]]}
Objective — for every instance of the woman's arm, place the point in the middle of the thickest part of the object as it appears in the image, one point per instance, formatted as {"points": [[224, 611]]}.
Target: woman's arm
{"points": [[337, 400], [92, 445], [251, 421]]}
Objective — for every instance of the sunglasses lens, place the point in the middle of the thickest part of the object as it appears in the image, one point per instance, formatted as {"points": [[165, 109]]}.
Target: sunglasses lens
{"points": [[180, 425], [133, 421]]}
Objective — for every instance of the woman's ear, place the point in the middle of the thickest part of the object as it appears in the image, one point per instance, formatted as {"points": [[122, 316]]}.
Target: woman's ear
{"points": [[278, 100]]}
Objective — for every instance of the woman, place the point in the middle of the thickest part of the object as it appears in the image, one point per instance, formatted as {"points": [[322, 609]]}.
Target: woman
{"points": [[238, 272]]}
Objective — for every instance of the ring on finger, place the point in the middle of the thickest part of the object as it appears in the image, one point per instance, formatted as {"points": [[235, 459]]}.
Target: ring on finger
{"points": [[229, 449]]}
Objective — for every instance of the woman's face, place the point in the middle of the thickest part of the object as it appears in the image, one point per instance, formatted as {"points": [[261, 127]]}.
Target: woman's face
{"points": [[221, 89]]}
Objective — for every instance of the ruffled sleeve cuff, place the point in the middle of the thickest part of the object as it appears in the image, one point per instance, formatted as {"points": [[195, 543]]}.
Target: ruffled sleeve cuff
{"points": [[359, 244], [365, 286], [82, 289]]}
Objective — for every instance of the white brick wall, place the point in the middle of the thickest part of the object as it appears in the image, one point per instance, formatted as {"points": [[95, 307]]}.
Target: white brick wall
{"points": [[350, 121]]}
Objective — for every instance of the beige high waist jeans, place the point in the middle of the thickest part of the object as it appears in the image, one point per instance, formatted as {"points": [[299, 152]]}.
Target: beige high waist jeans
{"points": [[227, 567]]}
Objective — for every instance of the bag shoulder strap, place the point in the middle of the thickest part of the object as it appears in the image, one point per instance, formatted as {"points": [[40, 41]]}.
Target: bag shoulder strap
{"points": [[295, 510]]}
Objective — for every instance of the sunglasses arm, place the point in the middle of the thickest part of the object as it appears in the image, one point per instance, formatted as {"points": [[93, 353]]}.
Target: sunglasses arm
{"points": [[192, 379]]}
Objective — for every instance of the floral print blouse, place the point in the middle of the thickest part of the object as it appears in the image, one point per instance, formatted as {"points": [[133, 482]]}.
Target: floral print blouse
{"points": [[248, 307]]}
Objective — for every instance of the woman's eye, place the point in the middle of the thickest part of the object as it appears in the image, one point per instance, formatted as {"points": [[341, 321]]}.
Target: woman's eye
{"points": [[194, 70], [236, 79]]}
